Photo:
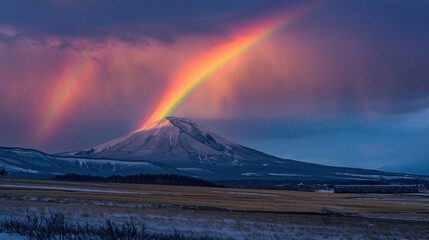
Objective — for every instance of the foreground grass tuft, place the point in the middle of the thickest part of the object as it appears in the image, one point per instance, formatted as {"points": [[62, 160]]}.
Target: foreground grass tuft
{"points": [[56, 227]]}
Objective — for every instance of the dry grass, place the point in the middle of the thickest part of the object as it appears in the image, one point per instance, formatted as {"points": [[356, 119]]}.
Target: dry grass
{"points": [[228, 199], [239, 213]]}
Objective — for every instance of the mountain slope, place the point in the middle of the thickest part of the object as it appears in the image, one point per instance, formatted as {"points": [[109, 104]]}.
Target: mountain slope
{"points": [[183, 145], [179, 146], [27, 162], [173, 140]]}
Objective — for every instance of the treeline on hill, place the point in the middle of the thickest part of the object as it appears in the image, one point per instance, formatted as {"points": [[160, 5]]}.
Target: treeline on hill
{"points": [[161, 179]]}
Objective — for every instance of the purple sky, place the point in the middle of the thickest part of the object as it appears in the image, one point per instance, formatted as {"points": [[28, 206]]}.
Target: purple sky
{"points": [[346, 84]]}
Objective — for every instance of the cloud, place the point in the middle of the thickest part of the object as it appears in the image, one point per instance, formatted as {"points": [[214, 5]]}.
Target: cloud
{"points": [[306, 73], [392, 142], [127, 20], [348, 78]]}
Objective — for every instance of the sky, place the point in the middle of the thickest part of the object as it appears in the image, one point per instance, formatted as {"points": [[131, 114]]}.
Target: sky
{"points": [[336, 82]]}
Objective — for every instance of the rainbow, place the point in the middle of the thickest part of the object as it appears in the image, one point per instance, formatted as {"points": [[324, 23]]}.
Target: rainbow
{"points": [[64, 93], [203, 66]]}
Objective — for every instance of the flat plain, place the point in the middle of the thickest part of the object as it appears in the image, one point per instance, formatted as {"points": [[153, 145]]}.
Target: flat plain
{"points": [[226, 213]]}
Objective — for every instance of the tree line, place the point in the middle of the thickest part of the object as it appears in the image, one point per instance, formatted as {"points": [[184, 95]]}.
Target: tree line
{"points": [[160, 179]]}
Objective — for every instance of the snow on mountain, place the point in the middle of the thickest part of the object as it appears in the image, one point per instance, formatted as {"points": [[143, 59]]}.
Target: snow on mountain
{"points": [[18, 161], [172, 139], [179, 146], [183, 145]]}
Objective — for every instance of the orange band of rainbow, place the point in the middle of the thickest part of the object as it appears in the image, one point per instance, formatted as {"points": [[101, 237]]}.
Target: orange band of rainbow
{"points": [[204, 65]]}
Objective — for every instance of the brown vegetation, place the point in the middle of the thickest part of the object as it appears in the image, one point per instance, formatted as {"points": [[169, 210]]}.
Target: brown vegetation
{"points": [[258, 214]]}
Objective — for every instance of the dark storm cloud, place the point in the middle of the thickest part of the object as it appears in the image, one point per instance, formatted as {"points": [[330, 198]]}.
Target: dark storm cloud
{"points": [[292, 128], [347, 83], [392, 143], [365, 57], [394, 35], [163, 19]]}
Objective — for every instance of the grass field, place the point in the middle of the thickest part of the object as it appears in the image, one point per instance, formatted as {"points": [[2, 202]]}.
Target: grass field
{"points": [[238, 213]]}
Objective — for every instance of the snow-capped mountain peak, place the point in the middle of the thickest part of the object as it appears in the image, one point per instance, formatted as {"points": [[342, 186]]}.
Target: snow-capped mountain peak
{"points": [[169, 139], [180, 146]]}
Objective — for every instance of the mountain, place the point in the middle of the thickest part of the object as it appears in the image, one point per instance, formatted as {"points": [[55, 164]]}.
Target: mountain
{"points": [[179, 146], [172, 140], [33, 163], [176, 141], [183, 145]]}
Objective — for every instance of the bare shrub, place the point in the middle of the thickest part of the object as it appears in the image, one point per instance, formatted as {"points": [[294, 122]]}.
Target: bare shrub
{"points": [[56, 227]]}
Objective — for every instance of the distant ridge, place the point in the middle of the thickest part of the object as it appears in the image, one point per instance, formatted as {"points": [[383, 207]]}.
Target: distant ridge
{"points": [[183, 146], [179, 146]]}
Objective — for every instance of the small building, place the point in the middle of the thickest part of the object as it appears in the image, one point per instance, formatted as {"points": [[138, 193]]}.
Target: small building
{"points": [[375, 189]]}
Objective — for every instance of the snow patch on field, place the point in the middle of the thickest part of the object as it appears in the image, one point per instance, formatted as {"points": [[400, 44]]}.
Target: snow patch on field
{"points": [[254, 194], [247, 193]]}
